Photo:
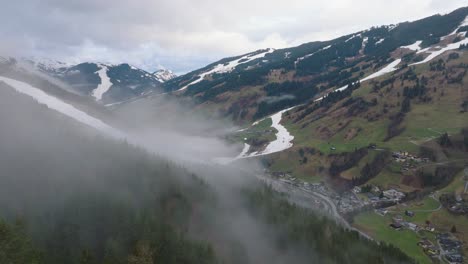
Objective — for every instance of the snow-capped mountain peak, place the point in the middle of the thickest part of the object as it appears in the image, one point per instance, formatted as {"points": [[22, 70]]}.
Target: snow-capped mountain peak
{"points": [[164, 75]]}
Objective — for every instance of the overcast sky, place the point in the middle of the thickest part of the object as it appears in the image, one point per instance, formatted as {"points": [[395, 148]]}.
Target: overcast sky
{"points": [[183, 35]]}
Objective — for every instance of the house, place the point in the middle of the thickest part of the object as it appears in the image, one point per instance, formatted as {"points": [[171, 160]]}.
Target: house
{"points": [[396, 226], [397, 219], [409, 213], [413, 227], [375, 190], [393, 194], [357, 189], [381, 212], [425, 243], [454, 258]]}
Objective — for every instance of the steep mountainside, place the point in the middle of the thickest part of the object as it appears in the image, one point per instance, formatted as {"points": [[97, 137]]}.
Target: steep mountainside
{"points": [[254, 85], [63, 185], [105, 83]]}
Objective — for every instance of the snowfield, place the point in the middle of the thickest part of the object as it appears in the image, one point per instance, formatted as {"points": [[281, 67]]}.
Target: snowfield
{"points": [[379, 41], [283, 137], [309, 55], [415, 46], [282, 142], [387, 69], [228, 67], [164, 75], [434, 53], [105, 83], [62, 107]]}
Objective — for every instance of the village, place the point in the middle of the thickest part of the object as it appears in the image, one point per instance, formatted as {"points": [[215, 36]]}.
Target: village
{"points": [[442, 246]]}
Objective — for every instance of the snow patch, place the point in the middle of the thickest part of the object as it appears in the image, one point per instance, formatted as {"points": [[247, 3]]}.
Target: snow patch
{"points": [[105, 84], [164, 75], [387, 69], [434, 53], [379, 41], [62, 107], [309, 55], [228, 66], [415, 46], [282, 142]]}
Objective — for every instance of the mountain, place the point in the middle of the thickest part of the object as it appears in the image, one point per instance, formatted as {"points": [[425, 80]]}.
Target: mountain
{"points": [[374, 112], [164, 75], [340, 124], [67, 174], [106, 83], [254, 85]]}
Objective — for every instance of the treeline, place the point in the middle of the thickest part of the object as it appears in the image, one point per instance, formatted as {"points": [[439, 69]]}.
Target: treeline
{"points": [[372, 169], [322, 239], [287, 93], [440, 177], [84, 199], [343, 161]]}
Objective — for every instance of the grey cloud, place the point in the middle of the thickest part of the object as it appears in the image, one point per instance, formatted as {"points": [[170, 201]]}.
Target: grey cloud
{"points": [[182, 34]]}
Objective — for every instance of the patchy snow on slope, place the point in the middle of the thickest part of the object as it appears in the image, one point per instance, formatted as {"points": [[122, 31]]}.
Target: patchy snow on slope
{"points": [[164, 75], [434, 53], [62, 107], [105, 84], [228, 66], [309, 55], [463, 23], [387, 69], [379, 41], [283, 137], [353, 36], [415, 46], [282, 142], [244, 151]]}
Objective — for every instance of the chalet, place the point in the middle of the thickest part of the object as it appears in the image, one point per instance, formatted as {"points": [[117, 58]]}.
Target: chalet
{"points": [[357, 189], [393, 194], [409, 213]]}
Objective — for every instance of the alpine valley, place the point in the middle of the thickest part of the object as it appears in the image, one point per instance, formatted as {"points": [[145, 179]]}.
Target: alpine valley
{"points": [[350, 150]]}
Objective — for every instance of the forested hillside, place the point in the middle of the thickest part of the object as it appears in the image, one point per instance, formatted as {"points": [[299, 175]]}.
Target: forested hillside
{"points": [[253, 88], [69, 195]]}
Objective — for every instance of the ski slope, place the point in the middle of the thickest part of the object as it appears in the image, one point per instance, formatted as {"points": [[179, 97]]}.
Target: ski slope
{"points": [[228, 67], [105, 84], [62, 107]]}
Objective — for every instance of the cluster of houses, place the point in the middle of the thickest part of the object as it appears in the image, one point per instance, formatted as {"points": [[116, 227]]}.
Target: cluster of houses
{"points": [[409, 161], [429, 248], [348, 202], [451, 248], [403, 156], [458, 206], [398, 223], [377, 196]]}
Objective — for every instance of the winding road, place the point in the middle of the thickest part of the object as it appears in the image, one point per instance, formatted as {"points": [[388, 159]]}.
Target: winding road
{"points": [[305, 198]]}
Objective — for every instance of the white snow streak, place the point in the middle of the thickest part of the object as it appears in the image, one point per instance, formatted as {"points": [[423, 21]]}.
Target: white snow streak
{"points": [[282, 142], [309, 55], [62, 107], [379, 41], [227, 67], [436, 53], [105, 83], [387, 69], [463, 23], [415, 46]]}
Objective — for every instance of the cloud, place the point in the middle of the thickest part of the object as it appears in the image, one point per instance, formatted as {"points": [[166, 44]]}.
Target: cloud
{"points": [[183, 34]]}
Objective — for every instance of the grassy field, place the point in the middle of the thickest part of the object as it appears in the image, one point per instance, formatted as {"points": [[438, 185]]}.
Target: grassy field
{"points": [[378, 227]]}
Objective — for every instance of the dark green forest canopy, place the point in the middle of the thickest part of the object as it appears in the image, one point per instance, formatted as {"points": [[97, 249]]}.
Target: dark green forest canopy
{"points": [[68, 195]]}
